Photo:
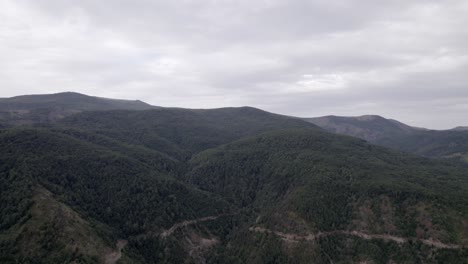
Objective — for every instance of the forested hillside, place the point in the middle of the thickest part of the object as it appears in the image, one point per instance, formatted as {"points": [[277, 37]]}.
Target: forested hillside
{"points": [[129, 195], [175, 129], [230, 185], [320, 195]]}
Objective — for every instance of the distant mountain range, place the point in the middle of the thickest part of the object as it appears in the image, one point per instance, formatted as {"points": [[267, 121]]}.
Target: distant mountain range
{"points": [[227, 185], [367, 127], [390, 133]]}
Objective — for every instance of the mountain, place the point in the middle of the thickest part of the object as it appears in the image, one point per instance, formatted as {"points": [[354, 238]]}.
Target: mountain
{"points": [[29, 109], [228, 185], [390, 133]]}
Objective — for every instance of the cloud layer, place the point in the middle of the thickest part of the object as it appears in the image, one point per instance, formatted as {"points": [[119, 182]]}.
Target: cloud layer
{"points": [[406, 60]]}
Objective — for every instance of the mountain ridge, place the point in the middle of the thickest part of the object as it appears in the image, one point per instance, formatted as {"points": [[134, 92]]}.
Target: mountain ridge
{"points": [[40, 108]]}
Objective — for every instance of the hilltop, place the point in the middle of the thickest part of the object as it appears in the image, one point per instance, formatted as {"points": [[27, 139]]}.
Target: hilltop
{"points": [[28, 109]]}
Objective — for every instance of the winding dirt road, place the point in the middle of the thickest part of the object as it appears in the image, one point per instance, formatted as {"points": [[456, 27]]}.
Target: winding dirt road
{"points": [[295, 238], [176, 226], [113, 257]]}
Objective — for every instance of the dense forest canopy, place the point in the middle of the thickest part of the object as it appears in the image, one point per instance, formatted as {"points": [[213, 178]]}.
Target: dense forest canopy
{"points": [[230, 185]]}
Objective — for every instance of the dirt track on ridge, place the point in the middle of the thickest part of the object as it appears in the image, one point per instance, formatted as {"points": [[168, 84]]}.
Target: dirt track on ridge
{"points": [[176, 226], [294, 238]]}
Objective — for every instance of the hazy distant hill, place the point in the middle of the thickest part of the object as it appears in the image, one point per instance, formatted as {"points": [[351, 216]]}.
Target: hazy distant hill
{"points": [[368, 127], [460, 128], [29, 109], [391, 133]]}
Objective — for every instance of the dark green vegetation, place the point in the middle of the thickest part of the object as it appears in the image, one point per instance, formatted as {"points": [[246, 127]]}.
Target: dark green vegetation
{"points": [[28, 109], [130, 195], [452, 144], [231, 185]]}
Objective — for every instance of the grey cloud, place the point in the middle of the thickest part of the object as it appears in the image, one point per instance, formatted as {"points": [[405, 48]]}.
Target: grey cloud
{"points": [[402, 59]]}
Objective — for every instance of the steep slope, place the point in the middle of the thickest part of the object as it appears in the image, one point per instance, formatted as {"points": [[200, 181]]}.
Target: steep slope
{"points": [[319, 194], [451, 144], [29, 109], [53, 232], [131, 195]]}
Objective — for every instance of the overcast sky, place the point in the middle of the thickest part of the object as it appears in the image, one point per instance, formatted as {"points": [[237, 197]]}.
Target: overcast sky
{"points": [[403, 59]]}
